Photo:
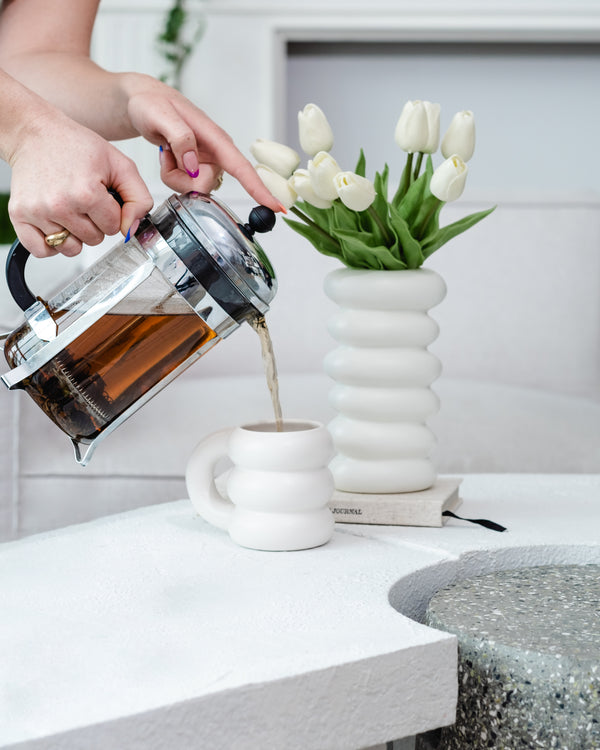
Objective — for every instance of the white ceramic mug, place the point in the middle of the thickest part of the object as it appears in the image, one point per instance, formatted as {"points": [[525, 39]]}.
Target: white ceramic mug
{"points": [[276, 496]]}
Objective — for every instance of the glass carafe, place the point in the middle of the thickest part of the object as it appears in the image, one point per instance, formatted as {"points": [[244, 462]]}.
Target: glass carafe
{"points": [[96, 352]]}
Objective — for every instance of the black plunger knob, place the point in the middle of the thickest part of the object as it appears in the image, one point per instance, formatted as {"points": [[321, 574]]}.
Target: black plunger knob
{"points": [[261, 219]]}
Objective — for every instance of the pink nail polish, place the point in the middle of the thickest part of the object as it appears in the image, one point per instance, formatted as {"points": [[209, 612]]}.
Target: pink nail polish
{"points": [[190, 162]]}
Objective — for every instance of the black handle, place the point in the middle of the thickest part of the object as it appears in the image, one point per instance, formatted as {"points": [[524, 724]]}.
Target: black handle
{"points": [[18, 255]]}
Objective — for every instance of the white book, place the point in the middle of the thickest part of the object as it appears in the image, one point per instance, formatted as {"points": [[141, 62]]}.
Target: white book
{"points": [[423, 508]]}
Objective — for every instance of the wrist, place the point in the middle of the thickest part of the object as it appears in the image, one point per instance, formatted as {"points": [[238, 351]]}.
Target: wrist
{"points": [[30, 121], [132, 84], [130, 87]]}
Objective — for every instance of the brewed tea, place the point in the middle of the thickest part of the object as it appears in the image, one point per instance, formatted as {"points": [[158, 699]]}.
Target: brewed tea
{"points": [[109, 366]]}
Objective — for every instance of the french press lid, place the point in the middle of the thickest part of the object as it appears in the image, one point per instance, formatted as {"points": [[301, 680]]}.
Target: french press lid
{"points": [[221, 251]]}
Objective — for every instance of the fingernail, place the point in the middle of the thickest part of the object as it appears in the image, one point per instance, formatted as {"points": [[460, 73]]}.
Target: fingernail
{"points": [[132, 230], [283, 208], [190, 162]]}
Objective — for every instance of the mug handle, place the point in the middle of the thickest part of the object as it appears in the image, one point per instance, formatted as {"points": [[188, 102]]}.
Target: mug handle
{"points": [[200, 480]]}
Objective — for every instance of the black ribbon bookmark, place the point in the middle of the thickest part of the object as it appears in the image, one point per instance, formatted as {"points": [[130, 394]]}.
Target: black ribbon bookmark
{"points": [[481, 521]]}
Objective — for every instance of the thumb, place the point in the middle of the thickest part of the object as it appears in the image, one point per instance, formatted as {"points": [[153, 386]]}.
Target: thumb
{"points": [[135, 201]]}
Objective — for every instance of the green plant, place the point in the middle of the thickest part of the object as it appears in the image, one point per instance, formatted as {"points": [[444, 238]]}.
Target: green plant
{"points": [[388, 235], [7, 233], [177, 40]]}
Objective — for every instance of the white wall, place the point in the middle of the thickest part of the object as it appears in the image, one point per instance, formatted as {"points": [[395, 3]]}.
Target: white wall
{"points": [[538, 121], [527, 69], [523, 303]]}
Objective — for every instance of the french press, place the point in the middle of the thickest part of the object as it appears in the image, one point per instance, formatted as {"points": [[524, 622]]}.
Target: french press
{"points": [[93, 354]]}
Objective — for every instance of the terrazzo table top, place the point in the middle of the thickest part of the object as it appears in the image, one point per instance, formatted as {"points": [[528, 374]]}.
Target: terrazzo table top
{"points": [[151, 629], [529, 657]]}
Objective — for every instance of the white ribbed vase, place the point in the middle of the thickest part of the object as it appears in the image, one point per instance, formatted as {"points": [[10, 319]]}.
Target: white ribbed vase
{"points": [[383, 371]]}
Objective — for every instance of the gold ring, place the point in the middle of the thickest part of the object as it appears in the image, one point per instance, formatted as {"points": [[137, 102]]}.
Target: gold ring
{"points": [[219, 182], [53, 240]]}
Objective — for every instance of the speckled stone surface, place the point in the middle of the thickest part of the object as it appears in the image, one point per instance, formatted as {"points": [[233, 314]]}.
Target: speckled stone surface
{"points": [[529, 659]]}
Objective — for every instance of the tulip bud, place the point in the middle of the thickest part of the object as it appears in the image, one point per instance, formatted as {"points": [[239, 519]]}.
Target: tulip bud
{"points": [[322, 170], [448, 180], [355, 192], [301, 183], [277, 185], [418, 128], [460, 136], [314, 130], [280, 158]]}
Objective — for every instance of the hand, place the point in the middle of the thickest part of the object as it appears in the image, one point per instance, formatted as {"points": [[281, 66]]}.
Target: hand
{"points": [[61, 172], [195, 150]]}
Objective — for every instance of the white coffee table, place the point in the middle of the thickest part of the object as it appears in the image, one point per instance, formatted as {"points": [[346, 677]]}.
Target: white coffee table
{"points": [[151, 629]]}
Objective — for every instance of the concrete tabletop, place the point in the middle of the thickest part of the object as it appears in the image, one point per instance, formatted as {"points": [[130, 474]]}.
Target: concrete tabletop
{"points": [[529, 649], [150, 629]]}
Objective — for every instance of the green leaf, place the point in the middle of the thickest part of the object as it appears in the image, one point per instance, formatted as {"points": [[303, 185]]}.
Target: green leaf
{"points": [[369, 225], [321, 216], [361, 164], [405, 181], [387, 261], [410, 247], [425, 221], [432, 223], [174, 23], [326, 246], [445, 234], [343, 217], [381, 183], [412, 203], [357, 253], [7, 232], [378, 223]]}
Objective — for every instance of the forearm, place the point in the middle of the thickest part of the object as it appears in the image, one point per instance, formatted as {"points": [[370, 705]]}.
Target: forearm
{"points": [[22, 113], [45, 46], [93, 97]]}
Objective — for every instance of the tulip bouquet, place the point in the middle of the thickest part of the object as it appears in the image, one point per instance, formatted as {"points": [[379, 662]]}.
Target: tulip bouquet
{"points": [[347, 216]]}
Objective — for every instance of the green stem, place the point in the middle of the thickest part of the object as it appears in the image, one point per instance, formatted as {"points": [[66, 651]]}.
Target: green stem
{"points": [[418, 165], [389, 241], [307, 220]]}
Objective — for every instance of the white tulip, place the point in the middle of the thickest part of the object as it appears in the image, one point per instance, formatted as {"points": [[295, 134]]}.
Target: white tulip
{"points": [[354, 191], [418, 128], [322, 170], [277, 185], [448, 180], [460, 136], [301, 183], [281, 158], [314, 130]]}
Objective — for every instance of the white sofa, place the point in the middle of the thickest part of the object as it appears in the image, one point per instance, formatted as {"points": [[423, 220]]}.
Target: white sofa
{"points": [[520, 389]]}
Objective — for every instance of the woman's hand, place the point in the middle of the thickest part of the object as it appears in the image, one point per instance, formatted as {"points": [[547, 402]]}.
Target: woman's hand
{"points": [[195, 151], [61, 172]]}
